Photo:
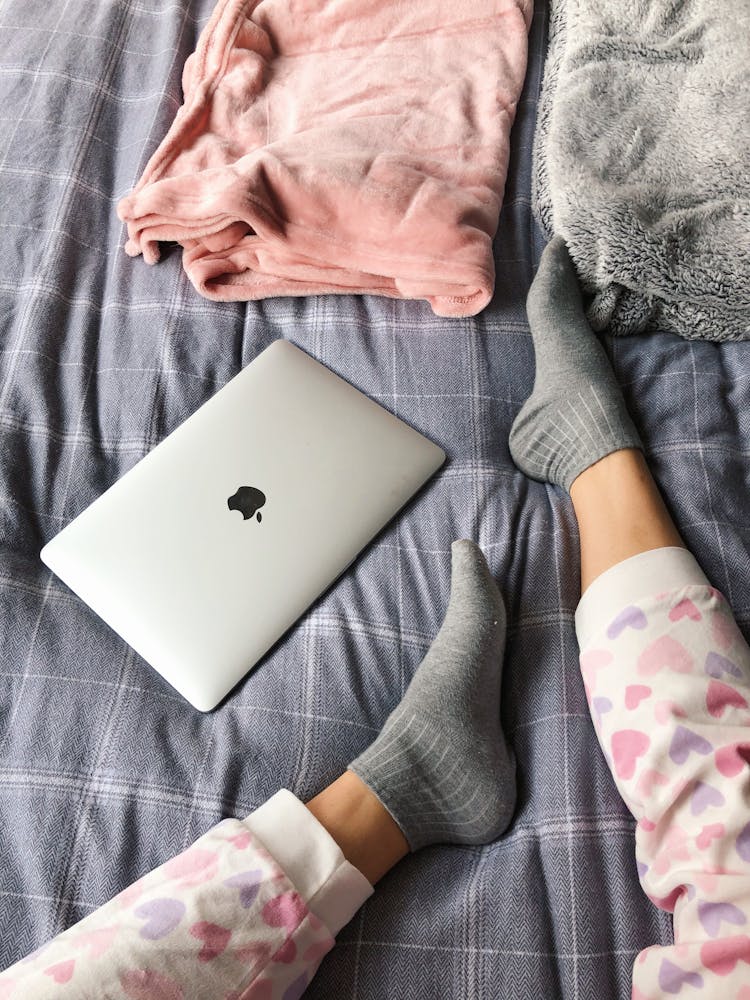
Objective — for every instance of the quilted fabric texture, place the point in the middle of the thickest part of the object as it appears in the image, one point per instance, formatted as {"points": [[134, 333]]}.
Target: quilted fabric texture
{"points": [[104, 771]]}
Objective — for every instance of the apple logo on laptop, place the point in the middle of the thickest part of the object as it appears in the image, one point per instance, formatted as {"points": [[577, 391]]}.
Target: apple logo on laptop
{"points": [[248, 501]]}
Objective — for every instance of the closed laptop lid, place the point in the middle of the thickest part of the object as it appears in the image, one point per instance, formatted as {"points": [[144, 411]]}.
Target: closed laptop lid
{"points": [[204, 553]]}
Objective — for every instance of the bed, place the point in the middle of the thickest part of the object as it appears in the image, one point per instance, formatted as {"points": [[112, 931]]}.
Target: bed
{"points": [[104, 770]]}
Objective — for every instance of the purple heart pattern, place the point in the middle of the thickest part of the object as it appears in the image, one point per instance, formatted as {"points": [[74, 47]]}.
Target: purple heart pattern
{"points": [[668, 684]]}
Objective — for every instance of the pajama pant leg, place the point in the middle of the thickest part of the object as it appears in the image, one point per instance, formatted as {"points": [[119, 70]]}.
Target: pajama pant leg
{"points": [[667, 676], [246, 913]]}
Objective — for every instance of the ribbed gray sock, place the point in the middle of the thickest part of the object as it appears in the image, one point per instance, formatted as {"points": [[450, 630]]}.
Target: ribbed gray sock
{"points": [[441, 766], [576, 414]]}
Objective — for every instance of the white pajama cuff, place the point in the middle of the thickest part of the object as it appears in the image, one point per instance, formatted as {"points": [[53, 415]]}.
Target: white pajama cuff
{"points": [[332, 888], [644, 575]]}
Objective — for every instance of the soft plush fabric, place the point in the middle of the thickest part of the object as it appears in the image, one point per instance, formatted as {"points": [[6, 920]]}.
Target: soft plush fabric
{"points": [[105, 772], [340, 147], [642, 161]]}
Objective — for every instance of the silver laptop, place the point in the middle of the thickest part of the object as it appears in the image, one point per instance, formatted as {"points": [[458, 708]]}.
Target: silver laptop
{"points": [[204, 553]]}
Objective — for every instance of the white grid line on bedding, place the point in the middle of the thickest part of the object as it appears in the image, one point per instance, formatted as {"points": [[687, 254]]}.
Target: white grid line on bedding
{"points": [[165, 695], [57, 784], [77, 839], [399, 554], [18, 701], [707, 482], [119, 147], [357, 952], [44, 256], [62, 176], [102, 39], [218, 382], [309, 647], [495, 952], [211, 380], [328, 622], [158, 95], [76, 832], [139, 444], [573, 921], [182, 8], [426, 327], [55, 231], [99, 789], [198, 308], [187, 836], [35, 74]]}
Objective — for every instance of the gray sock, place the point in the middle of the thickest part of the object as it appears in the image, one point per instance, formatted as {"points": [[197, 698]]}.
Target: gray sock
{"points": [[576, 414], [441, 766]]}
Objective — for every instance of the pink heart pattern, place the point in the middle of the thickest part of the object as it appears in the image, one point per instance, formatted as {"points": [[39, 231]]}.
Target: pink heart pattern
{"points": [[650, 779], [143, 984], [679, 780], [192, 867], [721, 696], [708, 834], [635, 694], [61, 972], [254, 928], [287, 910], [678, 669], [627, 746], [98, 941], [592, 661], [724, 629], [685, 609], [732, 759], [214, 938], [722, 956], [663, 652]]}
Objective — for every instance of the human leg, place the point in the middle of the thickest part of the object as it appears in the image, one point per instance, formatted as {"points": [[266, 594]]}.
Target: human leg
{"points": [[251, 908], [667, 677], [666, 672], [620, 513]]}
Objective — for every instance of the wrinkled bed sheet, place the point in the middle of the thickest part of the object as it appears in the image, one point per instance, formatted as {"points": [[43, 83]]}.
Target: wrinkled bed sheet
{"points": [[104, 770]]}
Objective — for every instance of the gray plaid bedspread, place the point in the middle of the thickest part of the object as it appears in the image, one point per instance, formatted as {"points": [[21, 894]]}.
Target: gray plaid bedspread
{"points": [[104, 770]]}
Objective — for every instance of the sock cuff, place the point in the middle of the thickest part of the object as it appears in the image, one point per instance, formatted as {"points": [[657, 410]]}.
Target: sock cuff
{"points": [[596, 439]]}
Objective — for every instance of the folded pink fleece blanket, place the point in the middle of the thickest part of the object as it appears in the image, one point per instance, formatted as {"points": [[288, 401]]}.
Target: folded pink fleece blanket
{"points": [[334, 146]]}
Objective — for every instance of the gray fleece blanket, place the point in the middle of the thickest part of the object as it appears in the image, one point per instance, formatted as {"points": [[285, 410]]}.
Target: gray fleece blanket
{"points": [[642, 161]]}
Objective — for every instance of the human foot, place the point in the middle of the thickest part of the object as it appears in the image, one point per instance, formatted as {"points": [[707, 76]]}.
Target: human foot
{"points": [[441, 765], [576, 413]]}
